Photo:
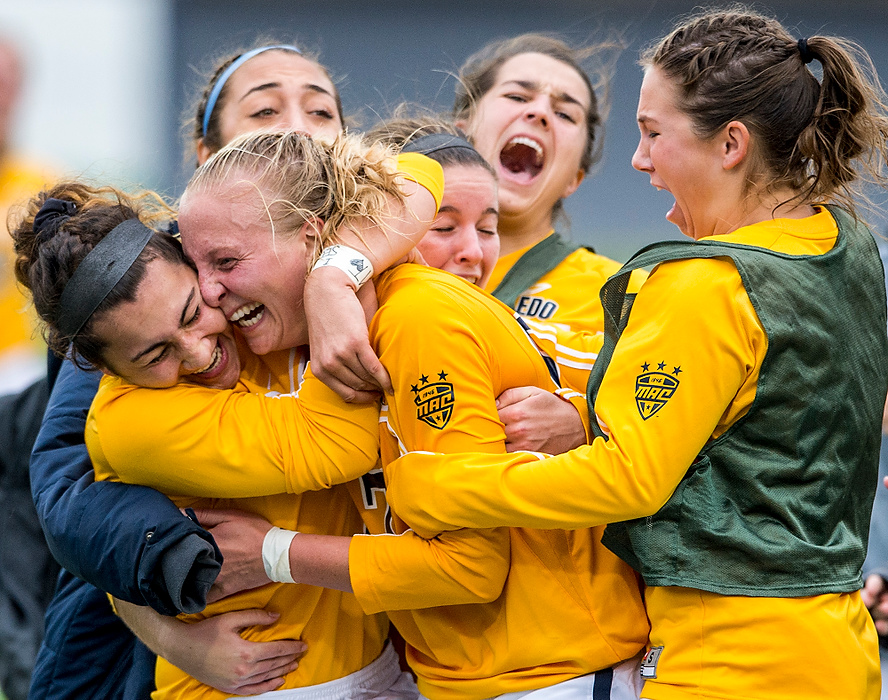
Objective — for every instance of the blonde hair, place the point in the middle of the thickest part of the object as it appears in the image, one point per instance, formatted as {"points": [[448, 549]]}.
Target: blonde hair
{"points": [[343, 182]]}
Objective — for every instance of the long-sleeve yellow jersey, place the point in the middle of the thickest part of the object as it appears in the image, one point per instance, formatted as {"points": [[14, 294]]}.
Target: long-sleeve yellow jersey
{"points": [[692, 319], [230, 449], [568, 294], [483, 612]]}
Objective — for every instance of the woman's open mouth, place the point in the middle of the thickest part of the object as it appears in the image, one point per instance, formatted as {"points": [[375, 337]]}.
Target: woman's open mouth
{"points": [[522, 157]]}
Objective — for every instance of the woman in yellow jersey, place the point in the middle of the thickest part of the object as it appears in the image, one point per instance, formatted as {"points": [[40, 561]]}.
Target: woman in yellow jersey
{"points": [[265, 87], [464, 603], [529, 107], [739, 412], [126, 299]]}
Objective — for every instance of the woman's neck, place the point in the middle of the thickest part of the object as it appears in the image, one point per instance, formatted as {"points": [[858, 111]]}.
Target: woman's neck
{"points": [[522, 231]]}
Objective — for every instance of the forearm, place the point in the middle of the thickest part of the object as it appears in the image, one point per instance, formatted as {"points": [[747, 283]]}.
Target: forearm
{"points": [[153, 629], [321, 560], [222, 444]]}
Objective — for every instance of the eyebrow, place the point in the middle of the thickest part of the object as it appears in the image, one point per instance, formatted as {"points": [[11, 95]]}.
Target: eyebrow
{"points": [[449, 208], [536, 87], [272, 86], [161, 343]]}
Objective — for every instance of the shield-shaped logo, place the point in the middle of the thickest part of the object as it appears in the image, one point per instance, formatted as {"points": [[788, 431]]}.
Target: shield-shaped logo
{"points": [[434, 404], [652, 391]]}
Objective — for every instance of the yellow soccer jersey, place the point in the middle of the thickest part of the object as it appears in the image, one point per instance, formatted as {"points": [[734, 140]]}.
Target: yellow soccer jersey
{"points": [[694, 320], [232, 444], [567, 295], [368, 491], [483, 612]]}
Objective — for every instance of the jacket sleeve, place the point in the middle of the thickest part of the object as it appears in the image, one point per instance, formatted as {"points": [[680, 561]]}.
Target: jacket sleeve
{"points": [[130, 541]]}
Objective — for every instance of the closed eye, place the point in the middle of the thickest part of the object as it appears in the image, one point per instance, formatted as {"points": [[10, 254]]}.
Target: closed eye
{"points": [[194, 318], [159, 357]]}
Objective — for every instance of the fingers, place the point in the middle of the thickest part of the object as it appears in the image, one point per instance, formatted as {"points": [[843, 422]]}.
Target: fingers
{"points": [[208, 518], [357, 378], [239, 619], [374, 369], [510, 397], [258, 688]]}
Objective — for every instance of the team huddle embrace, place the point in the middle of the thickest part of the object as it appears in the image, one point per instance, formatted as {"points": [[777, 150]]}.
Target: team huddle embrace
{"points": [[365, 425]]}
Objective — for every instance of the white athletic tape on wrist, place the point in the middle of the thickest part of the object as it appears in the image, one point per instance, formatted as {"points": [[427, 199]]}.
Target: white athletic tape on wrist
{"points": [[352, 262], [276, 554]]}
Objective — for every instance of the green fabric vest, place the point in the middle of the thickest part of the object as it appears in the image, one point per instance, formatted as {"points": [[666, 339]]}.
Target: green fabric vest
{"points": [[539, 260], [779, 505]]}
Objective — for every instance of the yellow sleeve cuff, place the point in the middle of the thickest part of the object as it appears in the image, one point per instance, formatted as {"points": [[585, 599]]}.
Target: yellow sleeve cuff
{"points": [[423, 171]]}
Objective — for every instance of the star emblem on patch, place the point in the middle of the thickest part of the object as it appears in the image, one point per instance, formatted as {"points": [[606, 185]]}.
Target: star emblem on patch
{"points": [[434, 400], [654, 388]]}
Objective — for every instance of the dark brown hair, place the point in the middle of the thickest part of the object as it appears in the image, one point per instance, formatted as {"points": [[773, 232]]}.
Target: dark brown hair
{"points": [[44, 263], [213, 138], [478, 74], [811, 136]]}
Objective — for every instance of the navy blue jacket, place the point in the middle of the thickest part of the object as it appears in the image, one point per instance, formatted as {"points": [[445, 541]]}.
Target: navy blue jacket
{"points": [[130, 541]]}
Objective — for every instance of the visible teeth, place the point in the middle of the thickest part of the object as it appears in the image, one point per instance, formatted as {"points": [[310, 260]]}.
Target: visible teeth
{"points": [[217, 356], [251, 321], [243, 311], [246, 310], [524, 141]]}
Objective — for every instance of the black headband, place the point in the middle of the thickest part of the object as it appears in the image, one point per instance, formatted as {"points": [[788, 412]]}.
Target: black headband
{"points": [[436, 142], [99, 272], [804, 51]]}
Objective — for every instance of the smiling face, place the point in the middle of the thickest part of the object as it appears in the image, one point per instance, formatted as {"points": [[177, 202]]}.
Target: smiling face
{"points": [[678, 160], [168, 334], [277, 90], [256, 277], [463, 239], [531, 127]]}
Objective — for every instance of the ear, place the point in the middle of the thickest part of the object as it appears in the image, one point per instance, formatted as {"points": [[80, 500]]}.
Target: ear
{"points": [[311, 229], [310, 232], [462, 123], [734, 144], [203, 152], [574, 184], [107, 372]]}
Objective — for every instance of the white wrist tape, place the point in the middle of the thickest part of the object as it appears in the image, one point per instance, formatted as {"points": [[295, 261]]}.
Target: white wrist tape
{"points": [[352, 262], [276, 554]]}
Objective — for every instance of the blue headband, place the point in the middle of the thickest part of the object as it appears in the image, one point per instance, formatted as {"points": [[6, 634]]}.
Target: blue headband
{"points": [[226, 74]]}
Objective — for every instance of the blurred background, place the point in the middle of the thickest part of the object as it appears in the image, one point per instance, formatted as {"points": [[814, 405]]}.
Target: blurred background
{"points": [[108, 83]]}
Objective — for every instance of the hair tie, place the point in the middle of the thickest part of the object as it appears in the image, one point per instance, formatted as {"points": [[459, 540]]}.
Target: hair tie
{"points": [[51, 216], [430, 143], [804, 51], [99, 272], [226, 74]]}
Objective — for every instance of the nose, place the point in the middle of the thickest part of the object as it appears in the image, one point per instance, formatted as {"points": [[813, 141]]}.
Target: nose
{"points": [[198, 347], [211, 288], [295, 120], [468, 250], [539, 110], [641, 158]]}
